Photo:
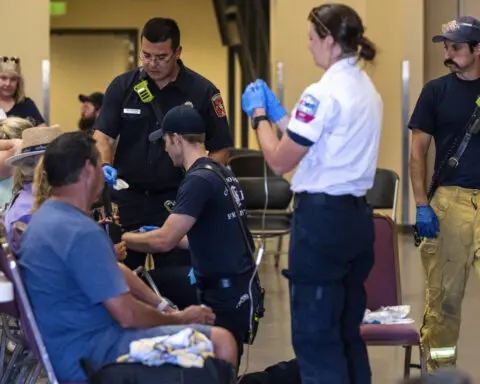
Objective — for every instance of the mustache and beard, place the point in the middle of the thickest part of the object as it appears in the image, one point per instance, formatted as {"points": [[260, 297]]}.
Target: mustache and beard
{"points": [[85, 124], [449, 63]]}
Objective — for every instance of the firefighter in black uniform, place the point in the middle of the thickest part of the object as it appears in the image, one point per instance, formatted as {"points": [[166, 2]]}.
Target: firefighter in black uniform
{"points": [[133, 107]]}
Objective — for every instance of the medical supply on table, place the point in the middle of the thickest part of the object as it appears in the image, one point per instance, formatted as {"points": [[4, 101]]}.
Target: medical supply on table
{"points": [[388, 315]]}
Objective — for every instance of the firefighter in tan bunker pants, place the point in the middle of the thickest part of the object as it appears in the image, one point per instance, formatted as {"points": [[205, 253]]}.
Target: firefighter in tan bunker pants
{"points": [[450, 222]]}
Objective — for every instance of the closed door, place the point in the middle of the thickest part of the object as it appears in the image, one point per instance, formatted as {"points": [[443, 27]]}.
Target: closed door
{"points": [[82, 64]]}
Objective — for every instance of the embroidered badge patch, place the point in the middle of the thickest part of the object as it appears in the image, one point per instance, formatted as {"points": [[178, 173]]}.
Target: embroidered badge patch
{"points": [[307, 108], [218, 106]]}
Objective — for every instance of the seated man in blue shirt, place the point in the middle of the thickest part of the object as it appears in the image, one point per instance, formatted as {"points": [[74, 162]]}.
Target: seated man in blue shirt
{"points": [[79, 297], [204, 209]]}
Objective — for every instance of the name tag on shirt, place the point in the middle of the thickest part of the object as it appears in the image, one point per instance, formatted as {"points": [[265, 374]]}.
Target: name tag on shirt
{"points": [[3, 115], [131, 111]]}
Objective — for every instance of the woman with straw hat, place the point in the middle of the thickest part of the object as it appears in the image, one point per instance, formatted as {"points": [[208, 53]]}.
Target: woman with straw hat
{"points": [[12, 93], [11, 130], [34, 143]]}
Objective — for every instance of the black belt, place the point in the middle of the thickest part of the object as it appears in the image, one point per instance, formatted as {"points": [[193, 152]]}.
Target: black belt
{"points": [[204, 283], [326, 199]]}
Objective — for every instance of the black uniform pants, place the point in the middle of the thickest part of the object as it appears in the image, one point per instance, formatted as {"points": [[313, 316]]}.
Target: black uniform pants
{"points": [[285, 372], [137, 209], [232, 308], [331, 254]]}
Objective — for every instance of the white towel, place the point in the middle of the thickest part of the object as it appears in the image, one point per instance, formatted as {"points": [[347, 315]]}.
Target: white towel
{"points": [[187, 348]]}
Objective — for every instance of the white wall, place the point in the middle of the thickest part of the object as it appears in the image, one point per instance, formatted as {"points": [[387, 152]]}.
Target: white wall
{"points": [[27, 35], [471, 8]]}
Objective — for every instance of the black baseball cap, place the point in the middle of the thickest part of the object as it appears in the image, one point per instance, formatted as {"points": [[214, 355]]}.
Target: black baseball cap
{"points": [[95, 98], [464, 30], [182, 119]]}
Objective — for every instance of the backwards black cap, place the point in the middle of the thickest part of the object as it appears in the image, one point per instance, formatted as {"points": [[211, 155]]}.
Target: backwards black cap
{"points": [[182, 119], [95, 98]]}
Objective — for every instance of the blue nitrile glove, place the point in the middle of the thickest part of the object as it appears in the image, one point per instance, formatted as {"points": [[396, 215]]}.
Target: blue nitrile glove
{"points": [[147, 228], [110, 174], [427, 222], [191, 275], [253, 98], [275, 109]]}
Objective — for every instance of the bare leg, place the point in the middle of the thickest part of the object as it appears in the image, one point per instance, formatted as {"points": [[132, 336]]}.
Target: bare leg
{"points": [[138, 288], [224, 345]]}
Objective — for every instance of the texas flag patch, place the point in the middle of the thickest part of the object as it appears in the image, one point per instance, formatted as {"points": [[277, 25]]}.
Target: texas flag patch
{"points": [[307, 108]]}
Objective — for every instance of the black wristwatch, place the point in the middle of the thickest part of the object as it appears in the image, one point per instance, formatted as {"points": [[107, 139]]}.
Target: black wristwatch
{"points": [[256, 120]]}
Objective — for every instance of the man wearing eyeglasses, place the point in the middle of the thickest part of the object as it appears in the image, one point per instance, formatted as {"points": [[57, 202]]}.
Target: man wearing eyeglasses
{"points": [[133, 107]]}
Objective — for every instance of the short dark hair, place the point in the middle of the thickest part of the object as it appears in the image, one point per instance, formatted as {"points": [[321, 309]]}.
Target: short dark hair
{"points": [[472, 45], [191, 138], [346, 28], [159, 30], [65, 158]]}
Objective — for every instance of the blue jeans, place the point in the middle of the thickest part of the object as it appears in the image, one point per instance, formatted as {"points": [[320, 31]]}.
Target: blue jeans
{"points": [[331, 254]]}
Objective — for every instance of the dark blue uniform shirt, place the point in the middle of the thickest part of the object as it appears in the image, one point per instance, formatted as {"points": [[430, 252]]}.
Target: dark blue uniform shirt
{"points": [[443, 110], [26, 109], [144, 165], [217, 245]]}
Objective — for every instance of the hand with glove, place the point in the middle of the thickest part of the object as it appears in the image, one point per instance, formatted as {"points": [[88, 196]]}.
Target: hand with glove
{"points": [[192, 277], [110, 174], [427, 222], [253, 98], [275, 109]]}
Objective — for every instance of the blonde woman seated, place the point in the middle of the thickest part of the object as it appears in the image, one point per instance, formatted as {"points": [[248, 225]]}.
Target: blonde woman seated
{"points": [[13, 101], [11, 130], [42, 191]]}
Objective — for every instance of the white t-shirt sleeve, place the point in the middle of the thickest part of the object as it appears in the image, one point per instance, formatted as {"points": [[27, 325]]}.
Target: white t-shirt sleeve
{"points": [[313, 112]]}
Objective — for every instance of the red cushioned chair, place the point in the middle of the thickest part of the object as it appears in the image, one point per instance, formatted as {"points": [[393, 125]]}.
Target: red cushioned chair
{"points": [[383, 289]]}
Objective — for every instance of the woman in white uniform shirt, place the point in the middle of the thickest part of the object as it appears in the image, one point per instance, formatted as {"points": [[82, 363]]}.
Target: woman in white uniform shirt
{"points": [[332, 136]]}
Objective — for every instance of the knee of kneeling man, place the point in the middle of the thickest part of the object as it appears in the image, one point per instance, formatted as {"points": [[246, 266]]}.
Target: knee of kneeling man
{"points": [[223, 336], [224, 344]]}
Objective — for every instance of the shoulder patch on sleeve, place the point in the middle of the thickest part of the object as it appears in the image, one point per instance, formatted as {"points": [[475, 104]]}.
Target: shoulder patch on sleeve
{"points": [[218, 105], [307, 108]]}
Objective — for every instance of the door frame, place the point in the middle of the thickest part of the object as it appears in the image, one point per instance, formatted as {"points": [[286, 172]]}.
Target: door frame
{"points": [[132, 34]]}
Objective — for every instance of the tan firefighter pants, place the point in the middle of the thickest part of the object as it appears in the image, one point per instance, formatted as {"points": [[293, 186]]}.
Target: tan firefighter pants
{"points": [[447, 261]]}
